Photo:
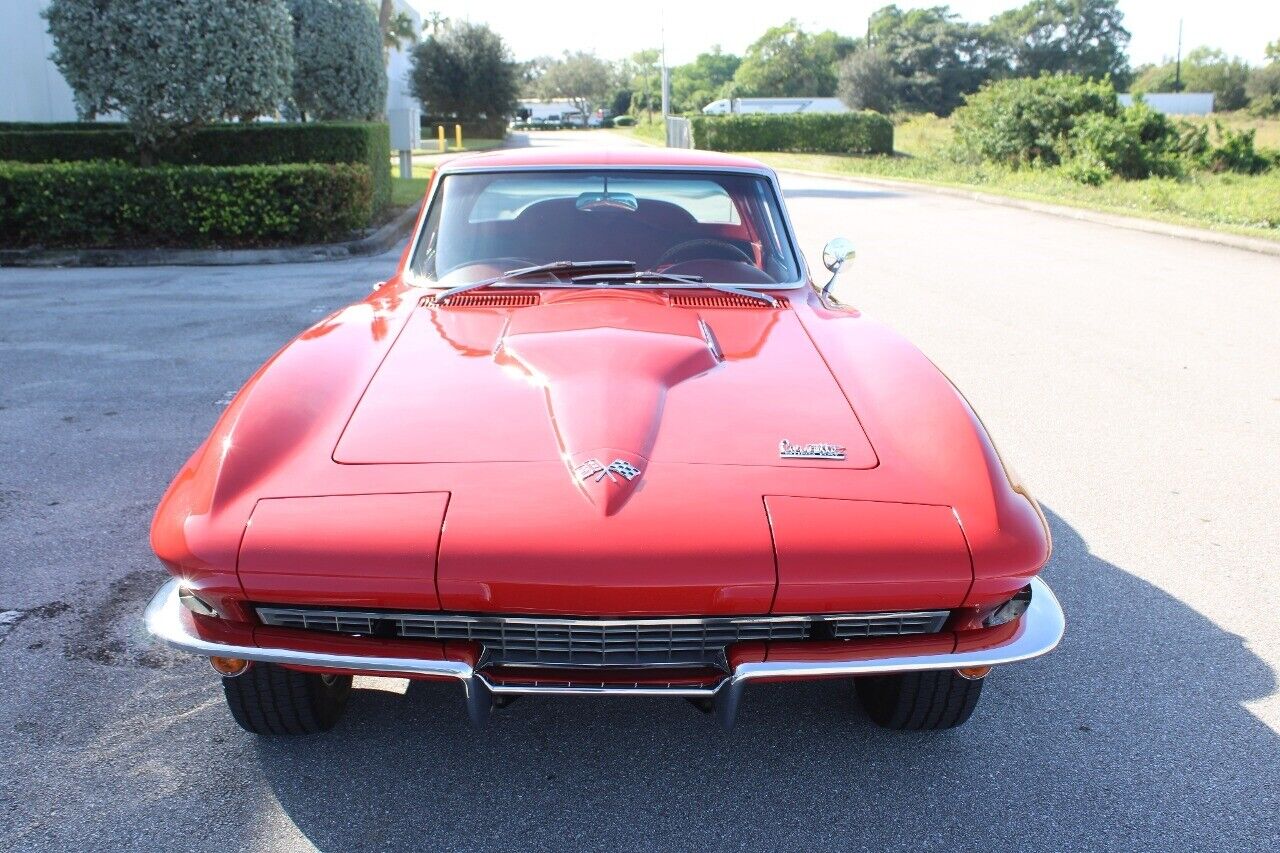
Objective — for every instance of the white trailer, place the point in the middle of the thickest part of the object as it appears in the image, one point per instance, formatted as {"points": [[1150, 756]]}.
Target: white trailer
{"points": [[724, 106]]}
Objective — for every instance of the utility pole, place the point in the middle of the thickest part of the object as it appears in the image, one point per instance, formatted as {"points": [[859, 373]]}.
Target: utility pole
{"points": [[1177, 68], [666, 80]]}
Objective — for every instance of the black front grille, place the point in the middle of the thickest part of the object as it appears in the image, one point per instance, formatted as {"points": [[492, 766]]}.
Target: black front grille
{"points": [[553, 642]]}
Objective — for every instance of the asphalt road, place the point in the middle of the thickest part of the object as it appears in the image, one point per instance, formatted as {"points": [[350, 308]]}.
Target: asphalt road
{"points": [[1134, 381]]}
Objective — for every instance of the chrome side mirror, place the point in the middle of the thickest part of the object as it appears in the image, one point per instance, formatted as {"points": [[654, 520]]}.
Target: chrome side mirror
{"points": [[838, 252]]}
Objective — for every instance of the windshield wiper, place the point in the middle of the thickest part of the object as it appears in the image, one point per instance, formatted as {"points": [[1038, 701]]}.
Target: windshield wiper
{"points": [[655, 277], [541, 269]]}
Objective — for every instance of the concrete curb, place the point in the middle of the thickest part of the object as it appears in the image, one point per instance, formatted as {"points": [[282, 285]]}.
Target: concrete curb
{"points": [[1133, 223], [376, 243]]}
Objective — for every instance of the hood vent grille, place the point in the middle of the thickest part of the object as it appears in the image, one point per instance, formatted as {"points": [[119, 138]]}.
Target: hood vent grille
{"points": [[728, 300], [484, 300]]}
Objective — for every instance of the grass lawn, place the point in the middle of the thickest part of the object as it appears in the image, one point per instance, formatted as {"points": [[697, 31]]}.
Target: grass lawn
{"points": [[407, 191], [1241, 204]]}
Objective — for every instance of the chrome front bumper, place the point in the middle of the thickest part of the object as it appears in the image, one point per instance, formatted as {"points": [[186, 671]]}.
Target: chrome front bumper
{"points": [[1039, 631]]}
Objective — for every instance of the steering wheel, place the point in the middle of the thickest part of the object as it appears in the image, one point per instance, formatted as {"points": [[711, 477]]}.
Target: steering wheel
{"points": [[706, 248]]}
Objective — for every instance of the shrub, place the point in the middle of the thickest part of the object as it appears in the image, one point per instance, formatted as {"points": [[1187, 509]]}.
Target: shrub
{"points": [[168, 65], [831, 133], [1028, 120], [1136, 143], [337, 52], [113, 204], [624, 121], [1235, 152], [217, 145]]}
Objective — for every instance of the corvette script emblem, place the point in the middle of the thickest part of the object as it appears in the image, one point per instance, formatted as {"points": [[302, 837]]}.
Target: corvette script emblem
{"points": [[594, 468], [787, 450]]}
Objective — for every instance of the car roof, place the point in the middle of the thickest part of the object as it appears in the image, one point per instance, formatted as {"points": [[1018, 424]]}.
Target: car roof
{"points": [[615, 156]]}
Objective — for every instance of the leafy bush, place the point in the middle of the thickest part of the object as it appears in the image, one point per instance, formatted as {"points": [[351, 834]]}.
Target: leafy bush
{"points": [[1136, 143], [168, 65], [113, 204], [217, 145], [1264, 90], [337, 52], [624, 121], [1028, 120], [829, 133]]}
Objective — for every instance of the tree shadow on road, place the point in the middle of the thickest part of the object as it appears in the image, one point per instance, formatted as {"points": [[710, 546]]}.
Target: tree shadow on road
{"points": [[1131, 735]]}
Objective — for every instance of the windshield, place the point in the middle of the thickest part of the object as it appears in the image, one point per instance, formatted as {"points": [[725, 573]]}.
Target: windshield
{"points": [[724, 228]]}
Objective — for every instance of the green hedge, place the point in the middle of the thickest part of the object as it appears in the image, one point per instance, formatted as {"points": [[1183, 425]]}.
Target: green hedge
{"points": [[824, 133], [216, 145], [115, 204], [481, 128]]}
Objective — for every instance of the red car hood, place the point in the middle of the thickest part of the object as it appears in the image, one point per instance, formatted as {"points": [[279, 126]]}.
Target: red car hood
{"points": [[597, 379]]}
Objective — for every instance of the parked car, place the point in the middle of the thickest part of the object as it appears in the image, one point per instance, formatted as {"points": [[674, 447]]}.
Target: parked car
{"points": [[602, 434]]}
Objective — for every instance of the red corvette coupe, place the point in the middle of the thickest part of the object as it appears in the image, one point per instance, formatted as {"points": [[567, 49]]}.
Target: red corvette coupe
{"points": [[601, 434]]}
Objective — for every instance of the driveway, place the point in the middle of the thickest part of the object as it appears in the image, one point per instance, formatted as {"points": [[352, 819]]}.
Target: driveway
{"points": [[1133, 379]]}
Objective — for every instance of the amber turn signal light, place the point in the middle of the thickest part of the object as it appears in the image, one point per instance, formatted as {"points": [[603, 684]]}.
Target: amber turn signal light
{"points": [[973, 673], [229, 667]]}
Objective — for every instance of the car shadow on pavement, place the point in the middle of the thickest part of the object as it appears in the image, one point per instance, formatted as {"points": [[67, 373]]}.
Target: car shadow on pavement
{"points": [[1131, 735]]}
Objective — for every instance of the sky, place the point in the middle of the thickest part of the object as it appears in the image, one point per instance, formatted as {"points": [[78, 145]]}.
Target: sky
{"points": [[614, 30]]}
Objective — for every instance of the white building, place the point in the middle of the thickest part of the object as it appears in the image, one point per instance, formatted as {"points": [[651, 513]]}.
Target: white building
{"points": [[33, 89], [400, 64], [725, 106]]}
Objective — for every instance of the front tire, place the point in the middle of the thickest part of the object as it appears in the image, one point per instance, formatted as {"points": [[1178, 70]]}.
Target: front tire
{"points": [[940, 699], [267, 699]]}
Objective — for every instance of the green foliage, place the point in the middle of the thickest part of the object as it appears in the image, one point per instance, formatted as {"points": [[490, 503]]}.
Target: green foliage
{"points": [[1203, 70], [698, 83], [1135, 143], [113, 204], [582, 77], [1028, 120], [1233, 151], [842, 133], [216, 145], [788, 62], [1263, 90], [938, 58], [337, 48], [868, 81], [169, 65], [1084, 37], [465, 71]]}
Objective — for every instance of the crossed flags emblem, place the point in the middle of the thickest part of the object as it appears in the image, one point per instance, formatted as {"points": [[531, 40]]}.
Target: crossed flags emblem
{"points": [[595, 468]]}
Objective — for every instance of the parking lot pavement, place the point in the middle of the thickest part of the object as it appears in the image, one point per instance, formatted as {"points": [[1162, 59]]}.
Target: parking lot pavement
{"points": [[1133, 380]]}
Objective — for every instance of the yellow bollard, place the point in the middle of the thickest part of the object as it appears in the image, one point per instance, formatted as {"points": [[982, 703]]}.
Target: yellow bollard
{"points": [[457, 133], [440, 133]]}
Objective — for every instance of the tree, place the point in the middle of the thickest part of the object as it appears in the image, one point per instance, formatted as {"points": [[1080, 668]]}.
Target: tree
{"points": [[867, 81], [938, 58], [465, 70], [1203, 70], [788, 62], [1264, 90], [338, 71], [171, 65], [697, 83], [645, 74], [1084, 37], [1273, 51], [581, 77]]}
